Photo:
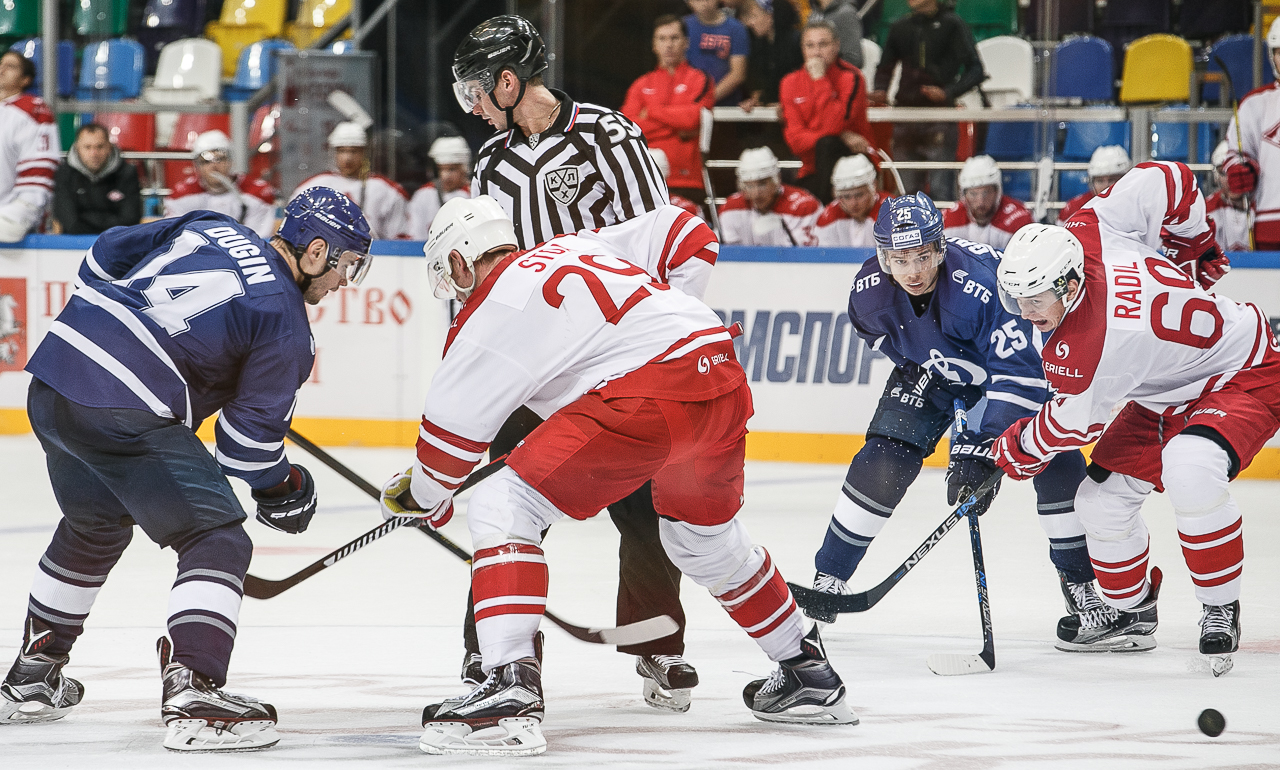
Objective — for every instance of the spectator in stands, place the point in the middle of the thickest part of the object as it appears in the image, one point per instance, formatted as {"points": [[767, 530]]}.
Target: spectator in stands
{"points": [[850, 219], [29, 149], [824, 109], [843, 17], [719, 48], [251, 202], [984, 214], [1107, 164], [383, 202], [667, 104], [451, 156], [1232, 214], [775, 51], [664, 165], [765, 212], [94, 189], [939, 63]]}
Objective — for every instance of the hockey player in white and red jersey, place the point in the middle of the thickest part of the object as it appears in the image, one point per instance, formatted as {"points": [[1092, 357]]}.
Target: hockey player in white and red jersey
{"points": [[984, 214], [29, 150], [765, 212], [1232, 215], [1201, 374], [637, 382], [850, 219], [1253, 160], [251, 202], [383, 202], [672, 245]]}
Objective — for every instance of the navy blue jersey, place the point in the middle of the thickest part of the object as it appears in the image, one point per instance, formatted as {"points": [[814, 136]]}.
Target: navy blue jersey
{"points": [[965, 335], [183, 317]]}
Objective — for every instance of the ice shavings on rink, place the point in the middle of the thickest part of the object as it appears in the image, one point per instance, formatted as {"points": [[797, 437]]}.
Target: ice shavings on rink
{"points": [[352, 655]]}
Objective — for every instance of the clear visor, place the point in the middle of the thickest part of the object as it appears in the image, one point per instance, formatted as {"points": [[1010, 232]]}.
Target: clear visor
{"points": [[1035, 305], [213, 156], [351, 265], [904, 262], [469, 92]]}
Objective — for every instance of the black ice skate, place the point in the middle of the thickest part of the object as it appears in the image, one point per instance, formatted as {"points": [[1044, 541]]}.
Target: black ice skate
{"points": [[1130, 631], [499, 718], [35, 689], [803, 689], [201, 717], [1220, 635], [827, 584], [472, 673], [667, 681], [1089, 617]]}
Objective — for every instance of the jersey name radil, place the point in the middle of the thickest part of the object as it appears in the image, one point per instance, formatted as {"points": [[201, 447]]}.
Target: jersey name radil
{"points": [[1126, 288], [248, 257]]}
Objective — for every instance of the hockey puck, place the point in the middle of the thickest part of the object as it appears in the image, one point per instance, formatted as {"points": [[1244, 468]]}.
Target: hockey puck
{"points": [[1212, 723]]}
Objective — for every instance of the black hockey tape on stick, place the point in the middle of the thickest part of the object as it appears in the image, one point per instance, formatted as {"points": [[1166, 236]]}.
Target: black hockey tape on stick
{"points": [[257, 588]]}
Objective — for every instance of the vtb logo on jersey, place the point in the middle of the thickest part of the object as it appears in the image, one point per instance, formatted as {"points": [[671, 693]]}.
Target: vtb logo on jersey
{"points": [[562, 184]]}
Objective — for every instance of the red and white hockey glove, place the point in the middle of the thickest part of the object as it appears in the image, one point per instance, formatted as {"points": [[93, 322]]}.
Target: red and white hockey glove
{"points": [[397, 501], [1198, 256], [1242, 174], [1010, 457]]}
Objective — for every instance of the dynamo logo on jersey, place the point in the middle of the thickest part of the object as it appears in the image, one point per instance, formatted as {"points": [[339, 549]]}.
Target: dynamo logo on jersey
{"points": [[943, 366]]}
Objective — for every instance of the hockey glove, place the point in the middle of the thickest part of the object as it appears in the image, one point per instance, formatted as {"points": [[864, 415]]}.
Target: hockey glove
{"points": [[291, 512], [1010, 457], [970, 465], [397, 501], [1242, 174], [1198, 257], [937, 391]]}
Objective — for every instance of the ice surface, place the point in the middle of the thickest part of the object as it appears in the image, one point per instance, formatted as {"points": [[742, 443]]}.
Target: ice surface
{"points": [[351, 656]]}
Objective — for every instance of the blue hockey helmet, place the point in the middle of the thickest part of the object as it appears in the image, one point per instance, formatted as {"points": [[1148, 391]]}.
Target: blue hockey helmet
{"points": [[908, 226], [325, 213]]}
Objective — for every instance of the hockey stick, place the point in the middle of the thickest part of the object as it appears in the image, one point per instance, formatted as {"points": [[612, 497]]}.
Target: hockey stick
{"points": [[1235, 114], [628, 634], [953, 664]]}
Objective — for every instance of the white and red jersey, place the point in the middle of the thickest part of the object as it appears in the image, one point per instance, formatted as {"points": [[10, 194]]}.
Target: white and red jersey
{"points": [[672, 245], [835, 227], [424, 205], [252, 203], [1233, 224], [1010, 217], [1074, 205], [382, 201], [29, 155], [1141, 329], [1255, 133], [789, 223], [550, 324]]}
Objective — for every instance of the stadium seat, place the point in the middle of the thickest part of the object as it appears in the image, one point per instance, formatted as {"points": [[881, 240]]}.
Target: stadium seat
{"points": [[1157, 68], [989, 18], [1008, 62], [1083, 138], [33, 49], [166, 21], [316, 16], [130, 131], [1072, 183], [1009, 141], [1172, 141], [1083, 68], [243, 23], [19, 19], [98, 18], [111, 70], [1236, 51], [870, 59], [256, 67], [188, 72]]}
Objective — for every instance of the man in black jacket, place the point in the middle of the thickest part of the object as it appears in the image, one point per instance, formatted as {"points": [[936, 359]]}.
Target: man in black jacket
{"points": [[94, 189], [939, 63]]}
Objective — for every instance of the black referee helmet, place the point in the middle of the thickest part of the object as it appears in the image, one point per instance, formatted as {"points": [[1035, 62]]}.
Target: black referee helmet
{"points": [[501, 43]]}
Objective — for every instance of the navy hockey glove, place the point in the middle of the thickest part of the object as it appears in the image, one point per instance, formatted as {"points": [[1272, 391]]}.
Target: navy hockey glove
{"points": [[970, 465], [291, 512], [940, 392]]}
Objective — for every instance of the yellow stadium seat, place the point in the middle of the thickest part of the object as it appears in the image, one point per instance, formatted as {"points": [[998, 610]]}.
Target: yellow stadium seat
{"points": [[268, 14], [1157, 68], [314, 17], [231, 38]]}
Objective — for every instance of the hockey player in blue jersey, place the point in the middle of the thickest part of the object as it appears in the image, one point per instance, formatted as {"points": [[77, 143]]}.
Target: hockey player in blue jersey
{"points": [[172, 322], [929, 304]]}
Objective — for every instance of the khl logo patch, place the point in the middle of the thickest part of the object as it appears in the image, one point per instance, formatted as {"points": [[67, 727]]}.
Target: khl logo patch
{"points": [[562, 183]]}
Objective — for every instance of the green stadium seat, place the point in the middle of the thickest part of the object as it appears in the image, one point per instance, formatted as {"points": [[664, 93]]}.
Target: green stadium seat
{"points": [[99, 18]]}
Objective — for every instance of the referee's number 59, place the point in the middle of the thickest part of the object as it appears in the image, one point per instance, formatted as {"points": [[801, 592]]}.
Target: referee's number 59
{"points": [[617, 129]]}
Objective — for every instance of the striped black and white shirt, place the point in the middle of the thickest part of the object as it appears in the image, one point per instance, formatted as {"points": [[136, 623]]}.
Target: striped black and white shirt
{"points": [[591, 168]]}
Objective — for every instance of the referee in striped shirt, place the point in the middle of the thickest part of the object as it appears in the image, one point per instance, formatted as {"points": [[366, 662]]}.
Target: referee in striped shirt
{"points": [[557, 166]]}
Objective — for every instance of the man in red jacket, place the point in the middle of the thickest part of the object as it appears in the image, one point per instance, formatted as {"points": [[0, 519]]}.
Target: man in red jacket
{"points": [[667, 105], [824, 108]]}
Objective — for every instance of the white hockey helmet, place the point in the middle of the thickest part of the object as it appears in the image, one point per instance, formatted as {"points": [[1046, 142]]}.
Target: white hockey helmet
{"points": [[660, 158], [1109, 160], [450, 150], [980, 171], [853, 171], [1219, 155], [348, 134], [1273, 42], [470, 226], [757, 163], [212, 142], [1039, 258]]}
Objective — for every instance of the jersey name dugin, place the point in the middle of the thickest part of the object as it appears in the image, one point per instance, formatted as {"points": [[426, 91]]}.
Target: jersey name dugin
{"points": [[248, 257]]}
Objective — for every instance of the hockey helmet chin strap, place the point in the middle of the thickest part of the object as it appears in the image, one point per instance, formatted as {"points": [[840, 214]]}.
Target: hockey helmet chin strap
{"points": [[307, 278], [510, 111]]}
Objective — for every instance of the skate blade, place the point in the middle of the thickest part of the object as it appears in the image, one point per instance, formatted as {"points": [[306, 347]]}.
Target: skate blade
{"points": [[951, 664], [196, 736], [512, 737], [667, 700], [30, 713], [1221, 664], [837, 713], [1131, 643]]}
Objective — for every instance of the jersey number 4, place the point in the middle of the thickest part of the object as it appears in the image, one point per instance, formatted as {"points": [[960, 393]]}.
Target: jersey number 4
{"points": [[612, 312], [176, 298]]}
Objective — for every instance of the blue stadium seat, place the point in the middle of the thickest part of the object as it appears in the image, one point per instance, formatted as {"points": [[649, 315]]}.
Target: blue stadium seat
{"points": [[1083, 138], [255, 69], [1015, 141], [1084, 67], [33, 49], [1072, 183], [111, 70], [1172, 141], [1236, 51], [167, 21]]}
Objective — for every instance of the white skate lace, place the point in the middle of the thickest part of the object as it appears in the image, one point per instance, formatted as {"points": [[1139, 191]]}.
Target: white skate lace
{"points": [[775, 682], [667, 662], [1092, 611], [829, 584], [1217, 619]]}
